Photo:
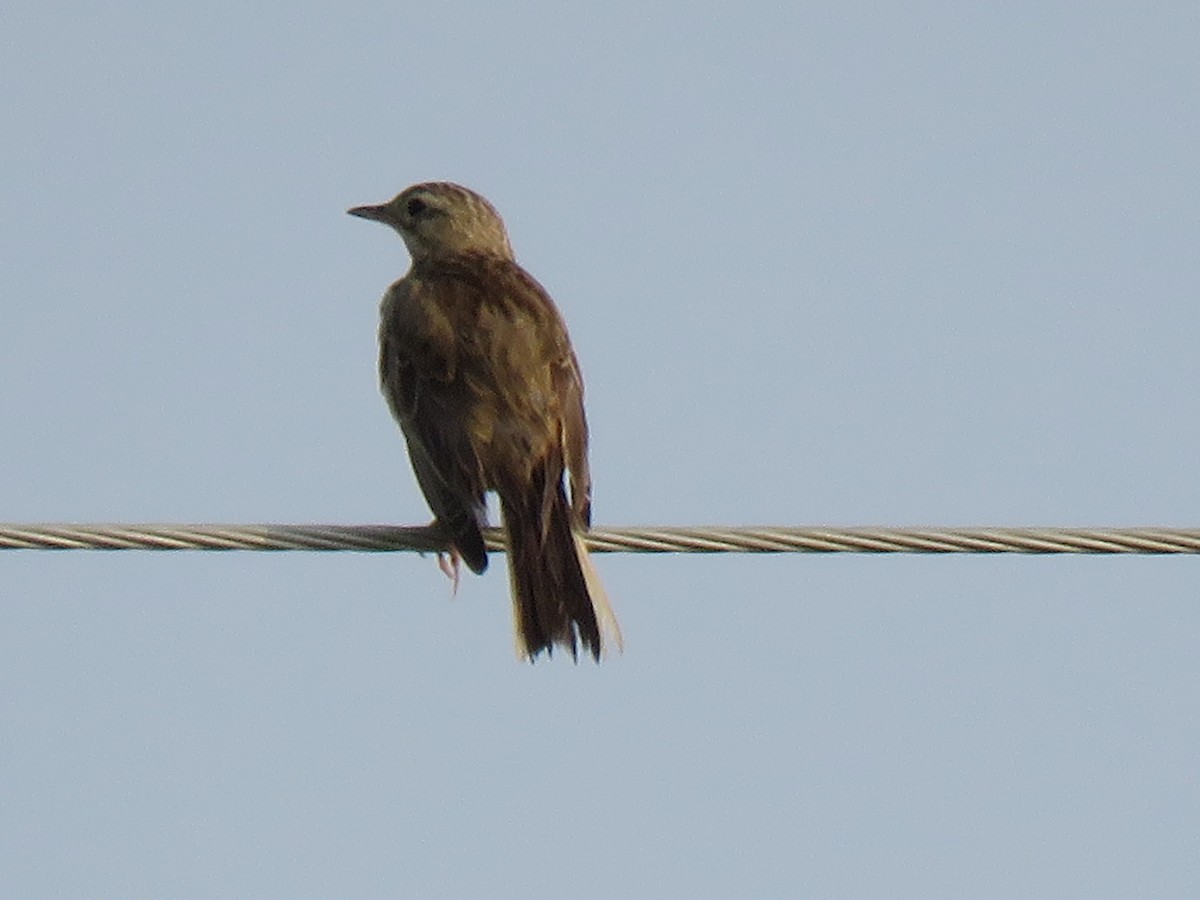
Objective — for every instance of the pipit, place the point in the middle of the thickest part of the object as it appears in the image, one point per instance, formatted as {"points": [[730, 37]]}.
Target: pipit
{"points": [[478, 369]]}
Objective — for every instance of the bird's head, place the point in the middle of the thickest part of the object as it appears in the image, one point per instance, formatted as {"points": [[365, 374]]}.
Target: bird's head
{"points": [[439, 220]]}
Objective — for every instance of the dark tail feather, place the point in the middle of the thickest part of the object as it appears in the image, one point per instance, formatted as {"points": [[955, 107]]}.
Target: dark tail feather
{"points": [[556, 594]]}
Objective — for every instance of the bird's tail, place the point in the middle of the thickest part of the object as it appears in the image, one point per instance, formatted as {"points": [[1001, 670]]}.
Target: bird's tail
{"points": [[556, 591]]}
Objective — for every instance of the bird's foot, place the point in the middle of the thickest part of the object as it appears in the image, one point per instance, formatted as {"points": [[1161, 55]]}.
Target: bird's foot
{"points": [[450, 564]]}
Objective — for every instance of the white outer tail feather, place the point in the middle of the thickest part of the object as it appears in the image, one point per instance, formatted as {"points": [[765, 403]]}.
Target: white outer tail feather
{"points": [[610, 631]]}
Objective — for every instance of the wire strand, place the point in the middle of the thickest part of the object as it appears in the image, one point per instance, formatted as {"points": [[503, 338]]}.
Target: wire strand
{"points": [[381, 538]]}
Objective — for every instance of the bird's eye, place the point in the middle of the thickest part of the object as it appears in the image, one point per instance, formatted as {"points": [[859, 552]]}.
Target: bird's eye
{"points": [[416, 206]]}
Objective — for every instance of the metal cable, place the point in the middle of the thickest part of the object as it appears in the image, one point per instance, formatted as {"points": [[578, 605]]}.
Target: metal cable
{"points": [[374, 538]]}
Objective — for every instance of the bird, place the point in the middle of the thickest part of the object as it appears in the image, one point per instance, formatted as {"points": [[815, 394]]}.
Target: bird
{"points": [[477, 367]]}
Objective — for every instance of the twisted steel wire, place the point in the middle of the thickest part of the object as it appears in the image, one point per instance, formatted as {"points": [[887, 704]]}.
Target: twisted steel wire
{"points": [[378, 538]]}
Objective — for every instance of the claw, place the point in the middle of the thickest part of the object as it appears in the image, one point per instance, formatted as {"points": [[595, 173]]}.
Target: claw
{"points": [[449, 563]]}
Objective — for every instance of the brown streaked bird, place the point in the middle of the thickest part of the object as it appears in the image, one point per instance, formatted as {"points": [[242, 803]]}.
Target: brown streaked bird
{"points": [[477, 367]]}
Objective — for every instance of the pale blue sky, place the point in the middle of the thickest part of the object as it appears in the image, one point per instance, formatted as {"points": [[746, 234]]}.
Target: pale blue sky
{"points": [[823, 263]]}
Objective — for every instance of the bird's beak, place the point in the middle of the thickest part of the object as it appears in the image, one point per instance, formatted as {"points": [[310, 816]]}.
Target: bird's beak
{"points": [[374, 213]]}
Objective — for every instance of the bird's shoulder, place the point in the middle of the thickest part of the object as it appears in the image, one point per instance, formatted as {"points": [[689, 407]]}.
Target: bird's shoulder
{"points": [[449, 300], [480, 281]]}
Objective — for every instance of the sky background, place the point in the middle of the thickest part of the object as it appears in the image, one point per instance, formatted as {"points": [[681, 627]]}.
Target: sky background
{"points": [[846, 264]]}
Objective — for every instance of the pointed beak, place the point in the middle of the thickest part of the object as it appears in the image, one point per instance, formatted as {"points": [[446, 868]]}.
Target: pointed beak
{"points": [[374, 213]]}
